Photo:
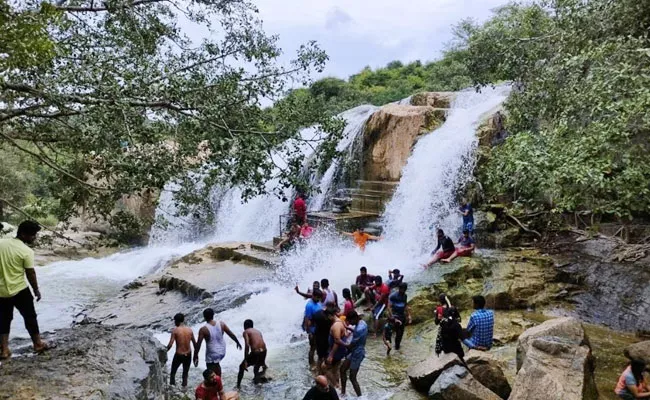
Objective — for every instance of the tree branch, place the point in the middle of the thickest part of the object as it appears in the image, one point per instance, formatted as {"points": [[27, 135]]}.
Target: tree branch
{"points": [[104, 7]]}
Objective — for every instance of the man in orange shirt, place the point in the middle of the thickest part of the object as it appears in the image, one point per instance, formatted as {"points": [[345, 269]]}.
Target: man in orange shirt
{"points": [[361, 238]]}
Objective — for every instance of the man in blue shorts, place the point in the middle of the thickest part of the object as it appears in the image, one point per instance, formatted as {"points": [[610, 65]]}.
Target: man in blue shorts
{"points": [[356, 352], [468, 216]]}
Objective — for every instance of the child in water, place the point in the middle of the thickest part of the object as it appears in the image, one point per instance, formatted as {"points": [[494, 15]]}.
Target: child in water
{"points": [[389, 327]]}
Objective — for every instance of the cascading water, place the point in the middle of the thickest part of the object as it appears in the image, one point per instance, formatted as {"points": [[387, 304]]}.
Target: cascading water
{"points": [[356, 119]]}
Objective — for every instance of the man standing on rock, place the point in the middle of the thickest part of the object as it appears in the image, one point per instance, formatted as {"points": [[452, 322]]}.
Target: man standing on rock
{"points": [[480, 326], [16, 263], [183, 336], [215, 345]]}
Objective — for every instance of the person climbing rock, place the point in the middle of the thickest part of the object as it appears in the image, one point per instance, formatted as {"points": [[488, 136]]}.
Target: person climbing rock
{"points": [[322, 390], [444, 249], [466, 247], [480, 326], [398, 308], [182, 335], [300, 210], [212, 388], [468, 216], [632, 385], [16, 264], [356, 352], [360, 237], [215, 346], [254, 353]]}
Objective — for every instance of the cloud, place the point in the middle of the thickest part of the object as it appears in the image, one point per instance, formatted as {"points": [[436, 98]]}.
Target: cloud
{"points": [[356, 33], [337, 18]]}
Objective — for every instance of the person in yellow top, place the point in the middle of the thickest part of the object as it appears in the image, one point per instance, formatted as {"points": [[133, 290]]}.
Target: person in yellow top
{"points": [[16, 262], [361, 238]]}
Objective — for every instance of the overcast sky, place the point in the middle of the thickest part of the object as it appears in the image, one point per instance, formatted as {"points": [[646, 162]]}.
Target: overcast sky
{"points": [[356, 33]]}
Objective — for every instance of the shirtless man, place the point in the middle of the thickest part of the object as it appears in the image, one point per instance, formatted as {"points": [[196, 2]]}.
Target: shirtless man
{"points": [[254, 352], [182, 335], [338, 350], [215, 345]]}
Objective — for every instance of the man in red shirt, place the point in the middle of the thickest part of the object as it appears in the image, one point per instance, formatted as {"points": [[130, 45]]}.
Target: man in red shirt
{"points": [[382, 291], [212, 389], [300, 210]]}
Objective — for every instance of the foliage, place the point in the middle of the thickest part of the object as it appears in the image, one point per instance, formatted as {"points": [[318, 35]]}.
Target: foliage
{"points": [[385, 85], [578, 119], [112, 97]]}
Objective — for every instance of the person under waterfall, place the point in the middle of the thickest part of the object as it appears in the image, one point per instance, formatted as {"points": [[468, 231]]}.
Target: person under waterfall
{"points": [[16, 264], [215, 345], [360, 238], [254, 353], [468, 216], [183, 336], [300, 210], [444, 249], [466, 247]]}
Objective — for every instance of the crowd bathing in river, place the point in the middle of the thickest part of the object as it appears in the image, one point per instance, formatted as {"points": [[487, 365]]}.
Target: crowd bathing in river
{"points": [[337, 336]]}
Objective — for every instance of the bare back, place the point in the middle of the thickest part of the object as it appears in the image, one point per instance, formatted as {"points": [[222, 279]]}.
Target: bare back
{"points": [[254, 339], [183, 336]]}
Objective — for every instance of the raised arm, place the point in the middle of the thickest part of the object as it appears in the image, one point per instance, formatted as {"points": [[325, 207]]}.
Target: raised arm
{"points": [[227, 330], [305, 295], [33, 282]]}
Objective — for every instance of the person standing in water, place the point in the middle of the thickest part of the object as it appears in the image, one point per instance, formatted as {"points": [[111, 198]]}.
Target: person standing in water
{"points": [[348, 305], [329, 295], [360, 237], [182, 335], [446, 247], [356, 352], [468, 216], [254, 353], [315, 285], [312, 307], [215, 345], [337, 350], [16, 264], [399, 309]]}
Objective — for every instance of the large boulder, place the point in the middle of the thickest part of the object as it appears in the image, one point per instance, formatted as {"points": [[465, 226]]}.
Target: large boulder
{"points": [[639, 352], [390, 134], [425, 373], [91, 362], [456, 383], [554, 362], [488, 371]]}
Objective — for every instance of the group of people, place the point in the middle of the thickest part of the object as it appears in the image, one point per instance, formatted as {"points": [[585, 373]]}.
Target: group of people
{"points": [[212, 333], [337, 336]]}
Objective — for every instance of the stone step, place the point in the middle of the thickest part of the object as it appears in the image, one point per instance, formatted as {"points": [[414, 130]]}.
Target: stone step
{"points": [[265, 246], [380, 186], [257, 257], [369, 193], [375, 205]]}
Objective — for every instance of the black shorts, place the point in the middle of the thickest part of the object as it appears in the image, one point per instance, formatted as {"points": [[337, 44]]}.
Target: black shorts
{"points": [[256, 358]]}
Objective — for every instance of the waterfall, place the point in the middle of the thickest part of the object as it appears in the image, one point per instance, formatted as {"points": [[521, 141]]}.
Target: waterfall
{"points": [[356, 119]]}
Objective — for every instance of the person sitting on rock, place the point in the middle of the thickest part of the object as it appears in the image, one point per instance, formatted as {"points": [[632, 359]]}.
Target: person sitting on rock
{"points": [[183, 336], [395, 278], [632, 385], [466, 247], [306, 231], [212, 389], [444, 249], [451, 334], [292, 236], [321, 391], [361, 238], [254, 353], [480, 326]]}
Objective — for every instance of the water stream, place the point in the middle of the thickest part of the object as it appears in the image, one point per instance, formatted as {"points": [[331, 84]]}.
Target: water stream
{"points": [[425, 198]]}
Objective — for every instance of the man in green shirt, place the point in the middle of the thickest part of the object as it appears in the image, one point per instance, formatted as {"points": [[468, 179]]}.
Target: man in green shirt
{"points": [[16, 263]]}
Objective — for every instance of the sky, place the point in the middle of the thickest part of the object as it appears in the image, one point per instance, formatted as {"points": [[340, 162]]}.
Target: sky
{"points": [[359, 33]]}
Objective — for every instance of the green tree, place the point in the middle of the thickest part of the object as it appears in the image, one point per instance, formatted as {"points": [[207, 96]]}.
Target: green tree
{"points": [[113, 97]]}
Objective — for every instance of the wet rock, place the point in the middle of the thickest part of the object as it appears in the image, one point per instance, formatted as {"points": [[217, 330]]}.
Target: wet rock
{"points": [[90, 362], [425, 373], [554, 362], [456, 383], [390, 134], [639, 352], [488, 371], [433, 99]]}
